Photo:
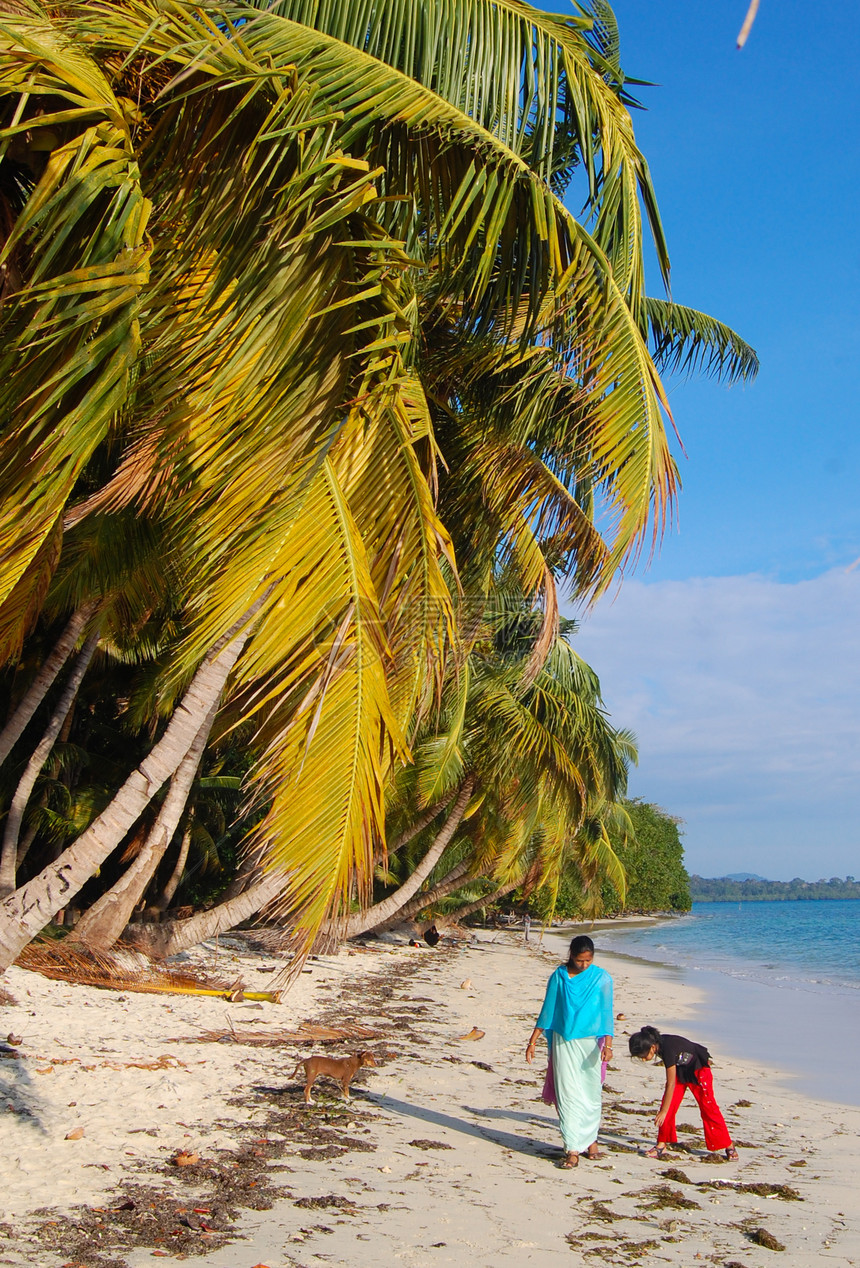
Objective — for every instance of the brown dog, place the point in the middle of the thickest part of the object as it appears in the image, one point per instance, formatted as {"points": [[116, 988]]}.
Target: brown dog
{"points": [[344, 1069]]}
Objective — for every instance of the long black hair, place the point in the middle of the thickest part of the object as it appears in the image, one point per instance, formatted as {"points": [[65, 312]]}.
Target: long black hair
{"points": [[643, 1041], [577, 946]]}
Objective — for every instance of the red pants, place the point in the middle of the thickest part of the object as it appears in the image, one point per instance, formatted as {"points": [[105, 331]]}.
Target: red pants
{"points": [[716, 1133]]}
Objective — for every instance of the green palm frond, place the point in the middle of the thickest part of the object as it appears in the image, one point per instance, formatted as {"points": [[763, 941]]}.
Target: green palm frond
{"points": [[79, 255], [540, 83], [687, 340]]}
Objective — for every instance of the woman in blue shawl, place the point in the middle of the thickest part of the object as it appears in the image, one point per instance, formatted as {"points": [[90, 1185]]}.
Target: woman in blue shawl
{"points": [[576, 1018]]}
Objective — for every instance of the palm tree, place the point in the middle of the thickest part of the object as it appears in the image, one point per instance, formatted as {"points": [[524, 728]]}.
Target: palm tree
{"points": [[530, 766], [232, 287]]}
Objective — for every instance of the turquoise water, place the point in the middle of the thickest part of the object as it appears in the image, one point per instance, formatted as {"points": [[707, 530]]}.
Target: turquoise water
{"points": [[778, 983], [803, 946]]}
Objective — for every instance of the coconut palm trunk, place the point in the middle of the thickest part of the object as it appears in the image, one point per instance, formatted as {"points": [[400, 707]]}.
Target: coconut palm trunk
{"points": [[27, 911], [174, 936], [418, 825], [165, 898], [26, 841], [462, 912], [389, 907], [9, 855], [448, 884], [42, 683], [102, 925]]}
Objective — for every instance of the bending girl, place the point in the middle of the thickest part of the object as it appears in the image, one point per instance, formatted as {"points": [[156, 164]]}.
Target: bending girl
{"points": [[576, 1018], [688, 1065]]}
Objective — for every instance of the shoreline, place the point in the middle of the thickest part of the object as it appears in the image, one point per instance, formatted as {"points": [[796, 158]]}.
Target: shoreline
{"points": [[776, 1024], [445, 1151]]}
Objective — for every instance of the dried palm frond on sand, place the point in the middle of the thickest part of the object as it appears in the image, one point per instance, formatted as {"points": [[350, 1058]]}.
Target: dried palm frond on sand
{"points": [[126, 971], [306, 1033]]}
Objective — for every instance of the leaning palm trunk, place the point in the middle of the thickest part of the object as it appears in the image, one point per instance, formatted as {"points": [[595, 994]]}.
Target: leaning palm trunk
{"points": [[30, 908], [462, 912], [389, 907], [165, 898], [26, 841], [41, 684], [102, 925], [455, 878], [9, 856], [418, 825], [167, 939]]}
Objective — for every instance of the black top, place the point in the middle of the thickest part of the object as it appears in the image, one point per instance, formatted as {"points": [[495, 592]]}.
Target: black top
{"points": [[687, 1057]]}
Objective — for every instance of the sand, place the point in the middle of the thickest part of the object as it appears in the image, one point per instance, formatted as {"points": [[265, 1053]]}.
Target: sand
{"points": [[444, 1155]]}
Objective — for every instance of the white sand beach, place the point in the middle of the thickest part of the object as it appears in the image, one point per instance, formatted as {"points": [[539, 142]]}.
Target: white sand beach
{"points": [[444, 1155]]}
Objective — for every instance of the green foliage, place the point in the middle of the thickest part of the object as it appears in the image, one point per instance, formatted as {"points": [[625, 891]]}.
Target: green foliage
{"points": [[653, 858], [652, 855], [722, 890], [265, 265]]}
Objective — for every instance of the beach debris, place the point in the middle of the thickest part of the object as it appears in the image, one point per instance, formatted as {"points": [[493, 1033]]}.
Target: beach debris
{"points": [[600, 1211], [758, 1188], [664, 1196], [185, 1158], [429, 1144], [741, 1105], [126, 970], [466, 984], [327, 1201], [762, 1237], [306, 1033], [165, 1062], [675, 1174], [14, 1040], [483, 1065], [474, 1033], [800, 1162], [620, 1016], [75, 1134]]}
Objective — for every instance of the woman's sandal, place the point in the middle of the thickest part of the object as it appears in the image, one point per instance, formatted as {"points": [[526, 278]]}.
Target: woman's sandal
{"points": [[569, 1161], [593, 1157], [656, 1151], [731, 1154]]}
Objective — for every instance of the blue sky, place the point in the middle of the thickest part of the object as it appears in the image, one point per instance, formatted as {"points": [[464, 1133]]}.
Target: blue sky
{"points": [[734, 655]]}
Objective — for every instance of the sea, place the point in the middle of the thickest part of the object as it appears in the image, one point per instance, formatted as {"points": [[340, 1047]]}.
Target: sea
{"points": [[779, 984]]}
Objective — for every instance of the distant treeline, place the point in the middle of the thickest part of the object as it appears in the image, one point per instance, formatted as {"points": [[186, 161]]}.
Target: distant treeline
{"points": [[722, 890], [653, 859]]}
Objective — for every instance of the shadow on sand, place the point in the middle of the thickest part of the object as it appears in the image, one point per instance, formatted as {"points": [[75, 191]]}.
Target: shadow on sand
{"points": [[506, 1140]]}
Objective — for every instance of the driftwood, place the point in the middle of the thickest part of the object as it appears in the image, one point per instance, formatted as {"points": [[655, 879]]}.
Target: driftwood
{"points": [[306, 1033]]}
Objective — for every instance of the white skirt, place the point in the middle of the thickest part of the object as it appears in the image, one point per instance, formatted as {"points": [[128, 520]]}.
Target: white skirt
{"points": [[578, 1090]]}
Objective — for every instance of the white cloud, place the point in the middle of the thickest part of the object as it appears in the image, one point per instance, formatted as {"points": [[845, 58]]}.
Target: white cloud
{"points": [[744, 693]]}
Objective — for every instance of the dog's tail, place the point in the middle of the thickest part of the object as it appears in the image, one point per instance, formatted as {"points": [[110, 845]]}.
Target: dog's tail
{"points": [[299, 1065]]}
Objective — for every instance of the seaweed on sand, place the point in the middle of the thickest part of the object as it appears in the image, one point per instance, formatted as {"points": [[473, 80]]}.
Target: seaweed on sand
{"points": [[663, 1197], [757, 1188]]}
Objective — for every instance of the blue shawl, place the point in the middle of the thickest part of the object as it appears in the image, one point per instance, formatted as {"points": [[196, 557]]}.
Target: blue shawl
{"points": [[579, 1006]]}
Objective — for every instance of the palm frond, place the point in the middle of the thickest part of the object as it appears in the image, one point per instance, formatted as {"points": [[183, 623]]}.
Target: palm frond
{"points": [[69, 341], [544, 85], [687, 340]]}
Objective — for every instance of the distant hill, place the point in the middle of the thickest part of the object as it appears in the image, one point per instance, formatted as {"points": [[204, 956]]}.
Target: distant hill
{"points": [[741, 876], [746, 888]]}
